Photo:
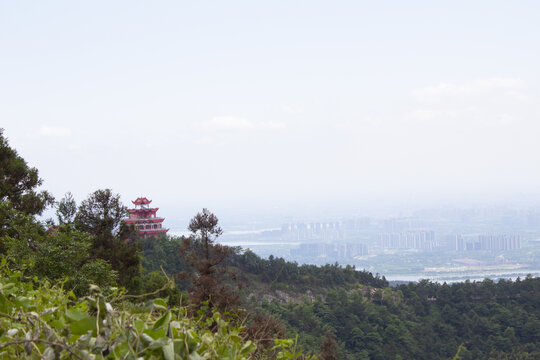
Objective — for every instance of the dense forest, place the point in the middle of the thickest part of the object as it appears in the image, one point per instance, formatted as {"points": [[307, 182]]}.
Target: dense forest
{"points": [[370, 320], [85, 285]]}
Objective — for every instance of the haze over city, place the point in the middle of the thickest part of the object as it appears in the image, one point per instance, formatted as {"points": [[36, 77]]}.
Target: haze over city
{"points": [[281, 108]]}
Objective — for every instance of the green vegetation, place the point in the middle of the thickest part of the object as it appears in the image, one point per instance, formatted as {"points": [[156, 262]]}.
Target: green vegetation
{"points": [[19, 183], [77, 289], [87, 287], [38, 320], [370, 320], [422, 321]]}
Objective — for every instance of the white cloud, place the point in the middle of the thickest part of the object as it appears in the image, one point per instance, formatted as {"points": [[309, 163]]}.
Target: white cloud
{"points": [[509, 87], [53, 131], [496, 101]]}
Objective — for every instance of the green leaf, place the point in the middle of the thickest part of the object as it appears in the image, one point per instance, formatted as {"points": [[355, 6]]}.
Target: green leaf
{"points": [[180, 349], [49, 353], [146, 339], [83, 326], [139, 325], [191, 342], [160, 304], [248, 348], [194, 356], [76, 315], [168, 351], [159, 343], [162, 321], [155, 334], [24, 302], [121, 350], [59, 323], [5, 287], [5, 304]]}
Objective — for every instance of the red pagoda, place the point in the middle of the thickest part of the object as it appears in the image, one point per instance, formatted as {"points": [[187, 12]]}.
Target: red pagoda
{"points": [[144, 218]]}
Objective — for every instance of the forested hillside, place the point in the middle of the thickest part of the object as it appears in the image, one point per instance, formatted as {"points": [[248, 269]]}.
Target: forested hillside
{"points": [[74, 287], [423, 321], [85, 285], [370, 320]]}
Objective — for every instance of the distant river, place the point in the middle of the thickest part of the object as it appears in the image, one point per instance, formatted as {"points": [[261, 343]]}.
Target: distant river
{"points": [[452, 278], [256, 243], [179, 232]]}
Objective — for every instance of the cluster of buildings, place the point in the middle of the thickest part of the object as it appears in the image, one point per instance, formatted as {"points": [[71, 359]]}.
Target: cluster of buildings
{"points": [[325, 239], [328, 250], [487, 242], [314, 231], [412, 239]]}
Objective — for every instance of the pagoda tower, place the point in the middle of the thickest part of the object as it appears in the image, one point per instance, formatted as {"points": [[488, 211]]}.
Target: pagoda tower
{"points": [[144, 218]]}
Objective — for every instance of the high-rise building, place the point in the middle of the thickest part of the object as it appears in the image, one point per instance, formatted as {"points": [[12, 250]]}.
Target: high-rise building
{"points": [[412, 239], [488, 242]]}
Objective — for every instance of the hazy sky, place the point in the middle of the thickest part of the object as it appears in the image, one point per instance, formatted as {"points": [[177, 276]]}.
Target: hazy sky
{"points": [[257, 105]]}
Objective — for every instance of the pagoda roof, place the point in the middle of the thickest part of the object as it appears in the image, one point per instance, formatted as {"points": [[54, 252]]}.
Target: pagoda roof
{"points": [[141, 201], [144, 220], [143, 210]]}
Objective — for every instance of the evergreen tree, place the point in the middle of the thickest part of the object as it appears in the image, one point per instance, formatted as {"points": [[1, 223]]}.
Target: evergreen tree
{"points": [[19, 198], [209, 262], [329, 347], [66, 209], [101, 216], [19, 182]]}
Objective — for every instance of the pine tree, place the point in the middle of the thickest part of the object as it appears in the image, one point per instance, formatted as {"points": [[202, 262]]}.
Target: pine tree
{"points": [[209, 262]]}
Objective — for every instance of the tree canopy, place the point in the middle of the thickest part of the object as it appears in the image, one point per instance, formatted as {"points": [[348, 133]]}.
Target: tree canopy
{"points": [[19, 182], [209, 263], [101, 215]]}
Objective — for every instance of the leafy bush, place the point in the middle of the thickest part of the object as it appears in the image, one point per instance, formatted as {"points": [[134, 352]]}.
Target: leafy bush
{"points": [[40, 320]]}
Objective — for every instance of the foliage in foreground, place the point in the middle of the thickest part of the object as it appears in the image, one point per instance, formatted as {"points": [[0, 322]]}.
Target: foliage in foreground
{"points": [[40, 320]]}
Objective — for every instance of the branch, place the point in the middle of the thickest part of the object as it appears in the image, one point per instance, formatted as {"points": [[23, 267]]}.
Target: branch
{"points": [[52, 343], [13, 318], [164, 287]]}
